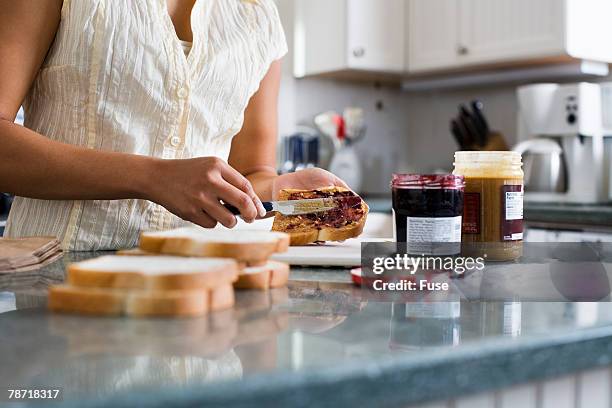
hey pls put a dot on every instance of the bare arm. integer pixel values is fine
(31, 165)
(253, 150)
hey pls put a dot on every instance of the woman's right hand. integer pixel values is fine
(193, 188)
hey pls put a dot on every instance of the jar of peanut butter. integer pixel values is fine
(493, 203)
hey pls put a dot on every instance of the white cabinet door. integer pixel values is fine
(319, 36)
(433, 32)
(502, 30)
(339, 35)
(375, 34)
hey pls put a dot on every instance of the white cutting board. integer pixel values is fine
(347, 253)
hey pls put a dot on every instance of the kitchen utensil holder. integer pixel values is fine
(495, 142)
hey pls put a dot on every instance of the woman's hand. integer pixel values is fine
(307, 179)
(192, 189)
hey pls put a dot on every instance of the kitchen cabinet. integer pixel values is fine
(453, 34)
(420, 37)
(348, 35)
(498, 30)
(432, 33)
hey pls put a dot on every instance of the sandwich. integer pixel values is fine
(344, 221)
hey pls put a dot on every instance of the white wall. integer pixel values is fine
(409, 134)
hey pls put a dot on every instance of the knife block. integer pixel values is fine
(495, 142)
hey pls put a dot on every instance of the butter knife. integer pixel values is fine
(300, 207)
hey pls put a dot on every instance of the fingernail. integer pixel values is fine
(260, 208)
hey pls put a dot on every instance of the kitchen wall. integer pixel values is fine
(409, 133)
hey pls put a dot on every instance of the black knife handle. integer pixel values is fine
(478, 108)
(458, 136)
(468, 139)
(232, 209)
(235, 211)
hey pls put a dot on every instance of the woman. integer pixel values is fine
(139, 115)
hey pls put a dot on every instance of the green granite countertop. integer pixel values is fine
(319, 342)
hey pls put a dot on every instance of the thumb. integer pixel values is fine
(338, 182)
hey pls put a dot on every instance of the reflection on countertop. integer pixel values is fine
(315, 340)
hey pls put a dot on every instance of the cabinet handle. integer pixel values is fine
(359, 52)
(462, 50)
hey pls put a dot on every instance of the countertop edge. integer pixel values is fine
(398, 381)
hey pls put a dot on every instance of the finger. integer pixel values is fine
(236, 179)
(261, 210)
(221, 214)
(203, 220)
(231, 195)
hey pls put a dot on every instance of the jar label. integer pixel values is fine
(441, 229)
(471, 213)
(428, 236)
(512, 215)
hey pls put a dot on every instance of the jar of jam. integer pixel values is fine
(493, 208)
(427, 212)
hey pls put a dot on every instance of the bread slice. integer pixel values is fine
(258, 275)
(249, 246)
(140, 252)
(152, 273)
(139, 303)
(221, 298)
(271, 275)
(335, 225)
(66, 298)
(134, 252)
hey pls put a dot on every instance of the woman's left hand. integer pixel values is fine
(307, 179)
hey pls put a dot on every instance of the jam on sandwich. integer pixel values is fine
(349, 209)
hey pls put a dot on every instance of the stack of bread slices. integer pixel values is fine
(182, 272)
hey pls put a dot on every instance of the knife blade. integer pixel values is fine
(300, 207)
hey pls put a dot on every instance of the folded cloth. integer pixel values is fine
(25, 254)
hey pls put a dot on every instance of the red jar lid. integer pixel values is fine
(428, 181)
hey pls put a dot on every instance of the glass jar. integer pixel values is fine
(493, 203)
(427, 211)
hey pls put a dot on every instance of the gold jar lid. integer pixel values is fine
(501, 157)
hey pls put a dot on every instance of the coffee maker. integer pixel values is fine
(565, 137)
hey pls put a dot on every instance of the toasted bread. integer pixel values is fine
(250, 247)
(336, 225)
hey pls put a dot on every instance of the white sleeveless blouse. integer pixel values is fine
(117, 79)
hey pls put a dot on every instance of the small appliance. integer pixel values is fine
(565, 137)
